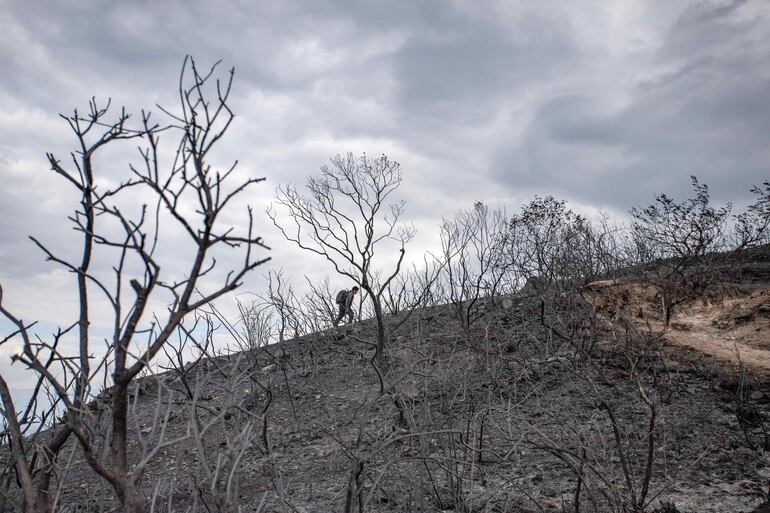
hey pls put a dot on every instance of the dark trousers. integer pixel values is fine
(341, 314)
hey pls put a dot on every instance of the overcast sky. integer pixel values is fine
(599, 102)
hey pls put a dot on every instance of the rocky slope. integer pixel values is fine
(535, 407)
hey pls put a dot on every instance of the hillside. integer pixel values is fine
(529, 410)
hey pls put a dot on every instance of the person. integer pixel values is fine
(345, 304)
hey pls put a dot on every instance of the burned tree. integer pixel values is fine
(473, 246)
(121, 266)
(752, 227)
(683, 239)
(553, 247)
(345, 218)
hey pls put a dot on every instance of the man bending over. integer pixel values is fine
(345, 304)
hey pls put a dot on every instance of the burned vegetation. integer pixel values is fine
(541, 361)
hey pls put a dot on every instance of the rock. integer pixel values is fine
(547, 491)
(741, 317)
(601, 284)
(756, 396)
(408, 391)
(149, 386)
(268, 368)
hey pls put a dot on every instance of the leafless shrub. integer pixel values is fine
(257, 326)
(283, 300)
(750, 418)
(474, 263)
(413, 288)
(193, 194)
(344, 220)
(752, 227)
(684, 237)
(224, 422)
(555, 249)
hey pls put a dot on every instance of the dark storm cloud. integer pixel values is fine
(469, 64)
(700, 109)
(603, 102)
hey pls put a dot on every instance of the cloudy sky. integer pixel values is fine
(600, 102)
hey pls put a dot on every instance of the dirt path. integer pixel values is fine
(734, 329)
(721, 347)
(747, 342)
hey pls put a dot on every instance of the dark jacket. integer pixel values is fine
(345, 299)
